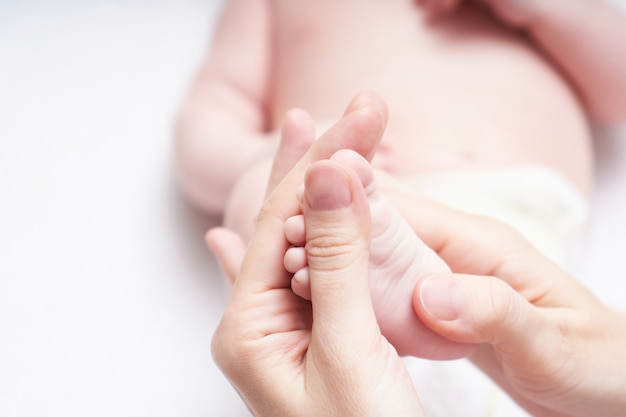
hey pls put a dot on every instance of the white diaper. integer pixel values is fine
(539, 202)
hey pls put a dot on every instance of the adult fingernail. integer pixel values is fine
(328, 188)
(441, 297)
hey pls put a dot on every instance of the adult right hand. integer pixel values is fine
(550, 343)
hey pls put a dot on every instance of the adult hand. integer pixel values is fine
(290, 357)
(552, 345)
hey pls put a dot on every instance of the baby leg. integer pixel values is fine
(260, 179)
(398, 259)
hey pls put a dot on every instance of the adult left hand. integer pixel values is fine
(290, 357)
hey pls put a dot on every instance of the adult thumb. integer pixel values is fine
(337, 222)
(477, 309)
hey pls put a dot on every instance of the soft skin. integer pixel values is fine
(465, 90)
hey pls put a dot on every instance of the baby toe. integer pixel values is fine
(295, 259)
(300, 284)
(295, 231)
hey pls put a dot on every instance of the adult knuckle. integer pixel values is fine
(501, 312)
(330, 250)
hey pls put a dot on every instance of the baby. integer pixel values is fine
(480, 119)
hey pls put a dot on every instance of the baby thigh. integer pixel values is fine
(246, 198)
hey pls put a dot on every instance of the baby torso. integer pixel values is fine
(463, 92)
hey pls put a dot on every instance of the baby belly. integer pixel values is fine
(467, 112)
(463, 94)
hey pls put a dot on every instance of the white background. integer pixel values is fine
(108, 297)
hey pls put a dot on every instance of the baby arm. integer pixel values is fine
(584, 38)
(222, 124)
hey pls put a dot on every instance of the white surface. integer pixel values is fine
(108, 298)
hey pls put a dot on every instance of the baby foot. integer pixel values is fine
(398, 259)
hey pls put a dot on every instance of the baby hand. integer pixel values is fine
(516, 13)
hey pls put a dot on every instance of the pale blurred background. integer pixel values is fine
(108, 297)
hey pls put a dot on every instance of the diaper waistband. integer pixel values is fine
(539, 202)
